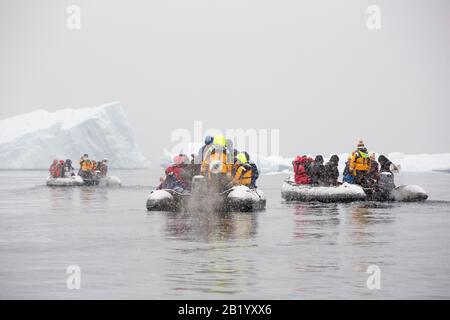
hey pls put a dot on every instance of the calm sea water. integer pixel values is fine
(288, 251)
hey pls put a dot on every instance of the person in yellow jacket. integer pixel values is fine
(216, 161)
(216, 166)
(243, 175)
(359, 164)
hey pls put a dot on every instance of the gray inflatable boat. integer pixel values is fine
(236, 199)
(384, 190)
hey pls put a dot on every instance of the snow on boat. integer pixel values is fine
(408, 193)
(238, 198)
(65, 182)
(242, 198)
(166, 200)
(73, 181)
(342, 193)
(385, 190)
(110, 181)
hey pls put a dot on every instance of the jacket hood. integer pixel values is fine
(382, 159)
(335, 159)
(318, 159)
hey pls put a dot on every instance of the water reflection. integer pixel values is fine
(364, 220)
(314, 220)
(93, 198)
(211, 226)
(209, 252)
(86, 195)
(86, 198)
(59, 198)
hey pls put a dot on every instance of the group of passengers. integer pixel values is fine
(218, 161)
(88, 168)
(360, 168)
(315, 172)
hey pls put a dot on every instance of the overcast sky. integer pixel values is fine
(309, 68)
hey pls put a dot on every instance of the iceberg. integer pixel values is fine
(33, 140)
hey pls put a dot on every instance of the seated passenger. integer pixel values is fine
(331, 172)
(61, 171)
(301, 164)
(86, 167)
(103, 167)
(243, 175)
(373, 173)
(52, 169)
(317, 171)
(80, 162)
(68, 169)
(347, 176)
(255, 172)
(177, 175)
(94, 166)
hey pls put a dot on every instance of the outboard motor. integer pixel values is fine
(386, 181)
(215, 167)
(199, 185)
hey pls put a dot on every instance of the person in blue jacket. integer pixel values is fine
(347, 176)
(208, 141)
(255, 173)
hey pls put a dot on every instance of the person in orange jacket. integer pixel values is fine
(86, 167)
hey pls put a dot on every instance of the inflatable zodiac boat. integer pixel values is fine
(72, 181)
(236, 199)
(385, 190)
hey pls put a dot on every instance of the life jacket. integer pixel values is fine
(203, 152)
(243, 175)
(216, 161)
(86, 165)
(360, 162)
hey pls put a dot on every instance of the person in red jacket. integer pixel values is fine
(177, 175)
(52, 168)
(300, 165)
(58, 169)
